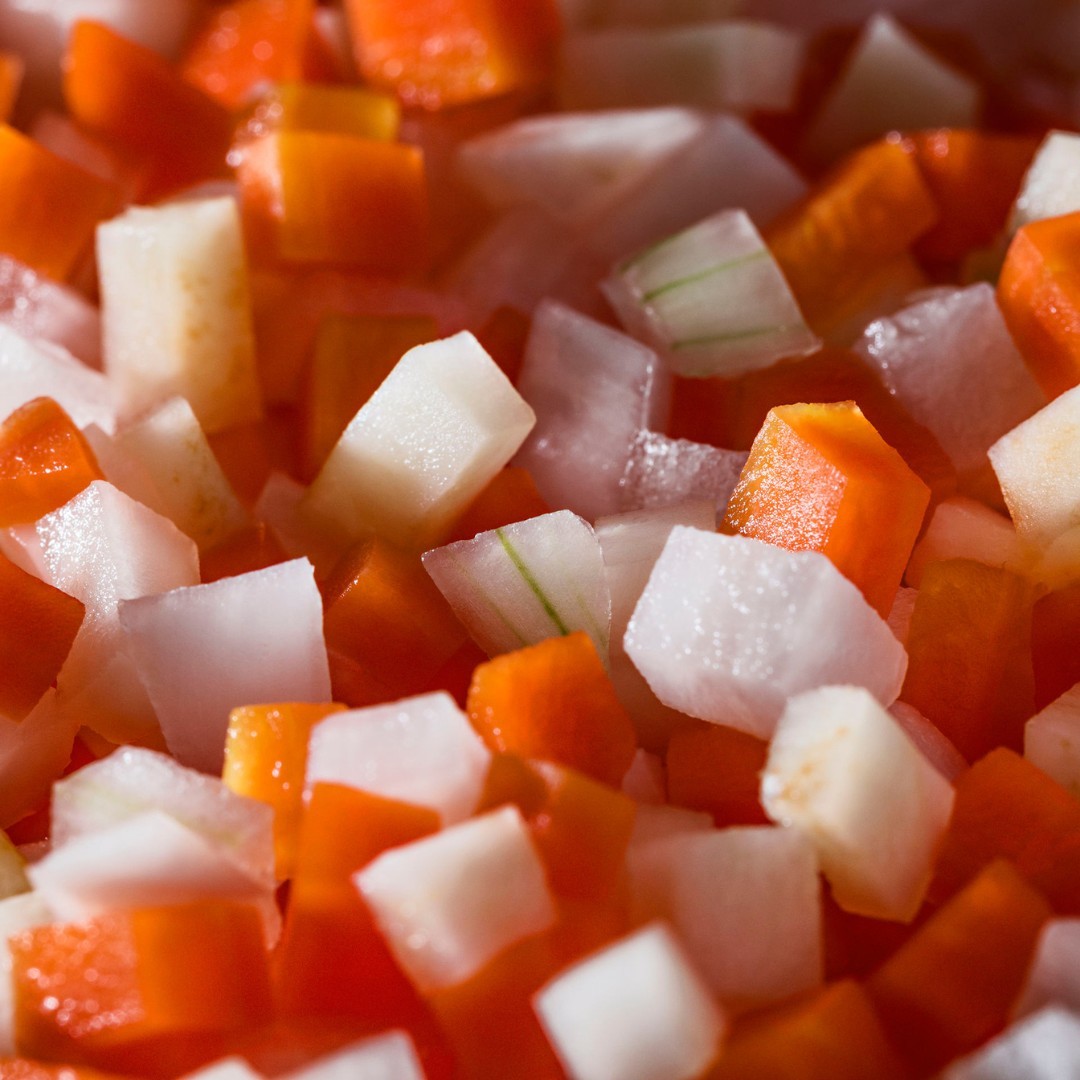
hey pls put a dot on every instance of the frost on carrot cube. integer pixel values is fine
(820, 478)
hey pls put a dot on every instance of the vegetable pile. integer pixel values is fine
(539, 539)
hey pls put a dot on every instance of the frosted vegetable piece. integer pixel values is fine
(732, 64)
(711, 299)
(571, 165)
(450, 903)
(421, 750)
(176, 310)
(1052, 740)
(592, 389)
(32, 369)
(441, 425)
(890, 82)
(729, 628)
(1045, 1046)
(637, 1010)
(1051, 186)
(842, 772)
(390, 1056)
(952, 364)
(525, 582)
(132, 781)
(746, 902)
(665, 472)
(1053, 977)
(204, 650)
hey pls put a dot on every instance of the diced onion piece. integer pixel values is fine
(841, 771)
(592, 389)
(421, 750)
(1052, 740)
(891, 81)
(532, 580)
(451, 902)
(390, 1056)
(652, 823)
(573, 165)
(132, 781)
(253, 637)
(176, 310)
(1054, 973)
(711, 299)
(230, 1068)
(441, 425)
(745, 901)
(637, 1010)
(734, 64)
(665, 472)
(1051, 186)
(728, 628)
(1045, 1046)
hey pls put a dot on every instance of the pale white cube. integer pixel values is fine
(637, 1010)
(1045, 1046)
(1052, 740)
(1053, 977)
(390, 1056)
(176, 310)
(421, 750)
(441, 425)
(230, 1068)
(1051, 185)
(842, 772)
(665, 472)
(450, 903)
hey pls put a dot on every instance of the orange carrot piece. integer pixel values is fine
(33, 184)
(832, 1035)
(266, 759)
(554, 701)
(1006, 807)
(969, 655)
(717, 769)
(353, 354)
(249, 453)
(950, 987)
(38, 623)
(820, 478)
(24, 1069)
(245, 43)
(1039, 295)
(860, 217)
(510, 495)
(385, 614)
(1055, 629)
(437, 53)
(347, 110)
(132, 97)
(44, 461)
(320, 197)
(504, 336)
(974, 177)
(252, 548)
(12, 69)
(124, 1006)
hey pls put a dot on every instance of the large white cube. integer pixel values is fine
(176, 310)
(635, 1011)
(450, 903)
(842, 771)
(440, 426)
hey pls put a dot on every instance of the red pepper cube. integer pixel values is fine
(317, 197)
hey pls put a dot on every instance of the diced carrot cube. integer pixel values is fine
(24, 1069)
(320, 197)
(820, 478)
(44, 461)
(717, 769)
(266, 759)
(950, 987)
(1006, 807)
(33, 183)
(384, 613)
(504, 336)
(511, 495)
(251, 548)
(974, 177)
(1055, 629)
(1039, 295)
(870, 209)
(247, 42)
(833, 1035)
(969, 655)
(554, 701)
(346, 110)
(38, 624)
(249, 453)
(132, 97)
(437, 53)
(11, 77)
(106, 993)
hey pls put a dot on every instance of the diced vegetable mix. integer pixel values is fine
(539, 539)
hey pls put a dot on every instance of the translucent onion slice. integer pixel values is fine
(1052, 740)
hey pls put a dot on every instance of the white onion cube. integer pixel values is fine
(1045, 1046)
(1052, 740)
(843, 772)
(1051, 186)
(450, 903)
(1053, 976)
(729, 628)
(421, 750)
(664, 472)
(637, 1010)
(391, 1056)
(441, 425)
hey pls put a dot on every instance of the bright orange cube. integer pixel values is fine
(346, 110)
(820, 478)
